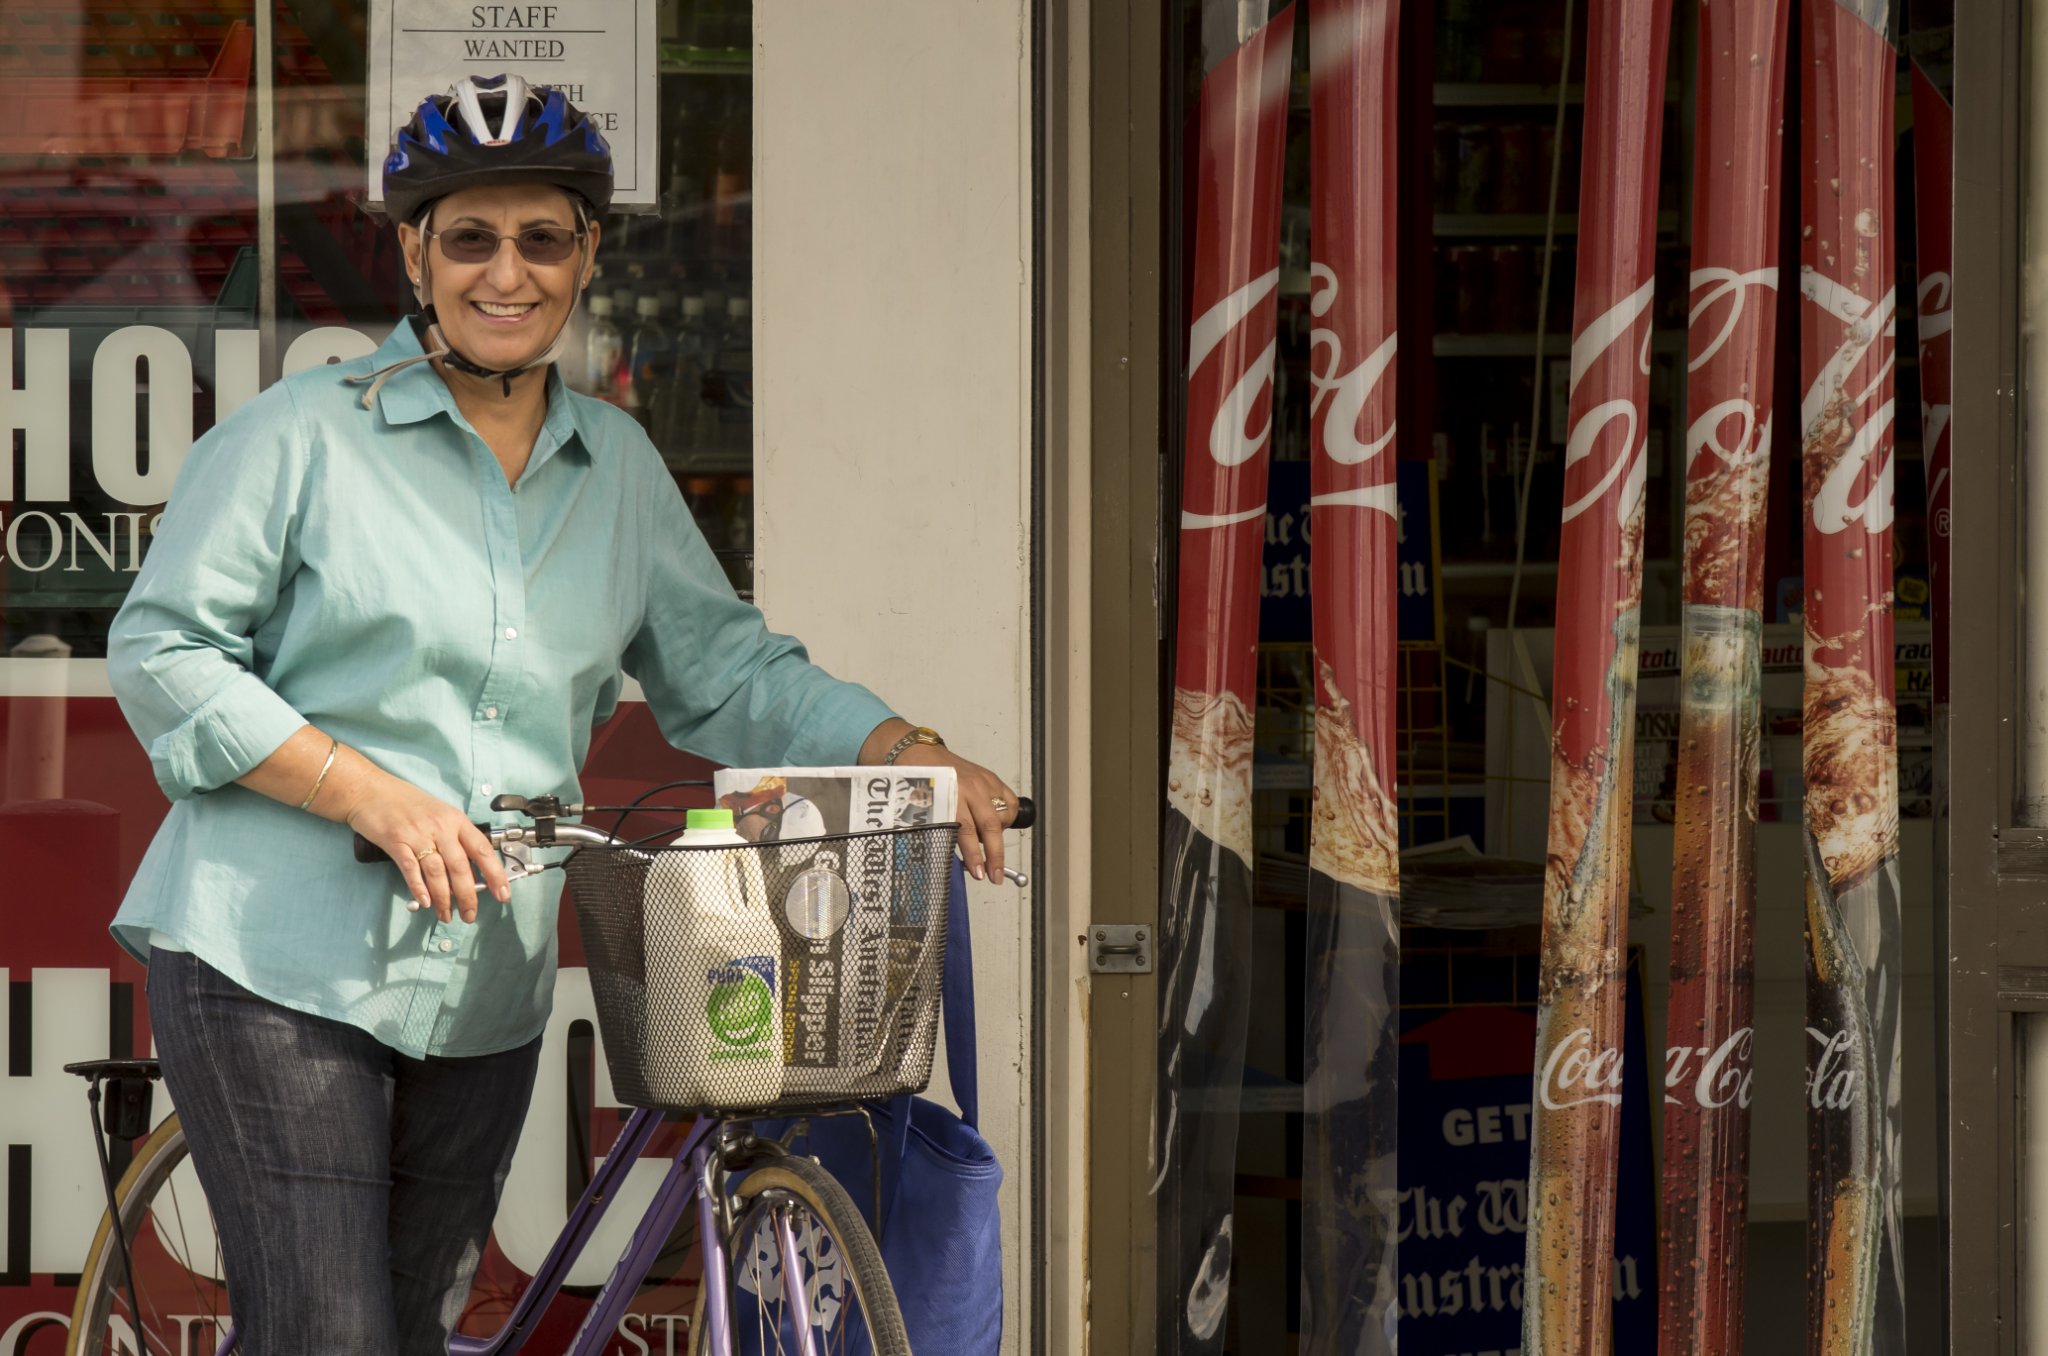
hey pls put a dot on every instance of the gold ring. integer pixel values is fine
(1000, 804)
(421, 854)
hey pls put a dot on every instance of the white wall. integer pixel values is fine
(892, 334)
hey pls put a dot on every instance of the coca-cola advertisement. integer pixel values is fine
(1352, 949)
(1579, 1057)
(1733, 330)
(1205, 876)
(1850, 755)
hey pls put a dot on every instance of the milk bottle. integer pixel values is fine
(714, 969)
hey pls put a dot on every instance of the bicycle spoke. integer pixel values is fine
(184, 1245)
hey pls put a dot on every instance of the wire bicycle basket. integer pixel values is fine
(768, 976)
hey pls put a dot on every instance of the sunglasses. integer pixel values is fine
(479, 245)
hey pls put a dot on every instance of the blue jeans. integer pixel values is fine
(353, 1187)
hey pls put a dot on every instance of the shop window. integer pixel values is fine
(133, 307)
(165, 253)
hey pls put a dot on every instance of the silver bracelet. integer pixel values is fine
(333, 746)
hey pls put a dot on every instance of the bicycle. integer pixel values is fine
(781, 1239)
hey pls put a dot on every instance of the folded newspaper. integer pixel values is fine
(859, 949)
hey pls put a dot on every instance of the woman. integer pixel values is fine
(383, 591)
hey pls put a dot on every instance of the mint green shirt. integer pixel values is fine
(370, 571)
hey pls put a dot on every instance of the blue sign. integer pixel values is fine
(1466, 1103)
(1284, 585)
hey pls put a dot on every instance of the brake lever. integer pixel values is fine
(518, 859)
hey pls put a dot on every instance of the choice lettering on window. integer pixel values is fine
(141, 421)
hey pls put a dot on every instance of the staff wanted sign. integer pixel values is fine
(600, 53)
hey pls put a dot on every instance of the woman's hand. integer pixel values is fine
(433, 843)
(987, 805)
(424, 835)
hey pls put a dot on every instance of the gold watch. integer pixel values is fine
(922, 734)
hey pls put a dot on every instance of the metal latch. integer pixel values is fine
(1120, 949)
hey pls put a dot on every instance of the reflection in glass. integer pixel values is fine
(2033, 777)
(2031, 1114)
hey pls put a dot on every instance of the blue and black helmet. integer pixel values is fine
(495, 130)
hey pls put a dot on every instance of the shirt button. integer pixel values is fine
(485, 788)
(447, 945)
(490, 713)
(511, 633)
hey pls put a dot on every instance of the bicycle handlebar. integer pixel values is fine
(370, 854)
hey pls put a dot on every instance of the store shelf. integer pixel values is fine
(1497, 225)
(681, 59)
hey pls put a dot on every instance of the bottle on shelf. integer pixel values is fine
(652, 356)
(725, 418)
(576, 345)
(737, 514)
(603, 351)
(676, 413)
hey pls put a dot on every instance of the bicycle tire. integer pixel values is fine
(828, 1202)
(100, 1287)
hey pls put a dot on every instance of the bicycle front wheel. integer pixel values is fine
(180, 1291)
(850, 1306)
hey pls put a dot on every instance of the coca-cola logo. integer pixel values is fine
(1831, 1083)
(1752, 440)
(1576, 1073)
(1592, 452)
(1347, 394)
(1231, 440)
(1858, 487)
(1723, 1076)
(1724, 284)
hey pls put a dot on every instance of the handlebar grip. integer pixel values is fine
(369, 854)
(1027, 813)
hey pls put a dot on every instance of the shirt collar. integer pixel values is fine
(418, 393)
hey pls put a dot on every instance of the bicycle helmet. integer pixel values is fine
(490, 130)
(495, 130)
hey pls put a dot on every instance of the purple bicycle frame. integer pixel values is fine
(685, 1172)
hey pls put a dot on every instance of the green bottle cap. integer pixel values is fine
(708, 819)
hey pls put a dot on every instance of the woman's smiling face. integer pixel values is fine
(502, 312)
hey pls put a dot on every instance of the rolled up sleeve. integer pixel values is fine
(720, 683)
(181, 653)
